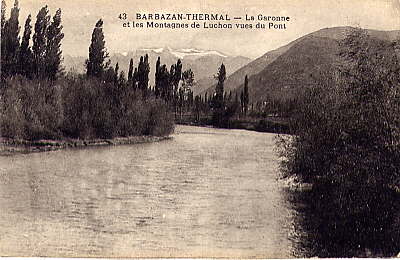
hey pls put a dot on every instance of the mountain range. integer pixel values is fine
(204, 63)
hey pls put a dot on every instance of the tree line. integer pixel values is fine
(172, 85)
(41, 60)
(38, 100)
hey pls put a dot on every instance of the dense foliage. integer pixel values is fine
(346, 145)
(37, 101)
(78, 108)
(97, 63)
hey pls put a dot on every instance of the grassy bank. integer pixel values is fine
(15, 146)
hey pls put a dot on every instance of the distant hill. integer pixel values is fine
(298, 66)
(203, 63)
(293, 64)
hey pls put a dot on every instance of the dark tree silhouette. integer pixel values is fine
(176, 77)
(3, 21)
(97, 64)
(187, 80)
(130, 72)
(116, 71)
(53, 57)
(242, 101)
(219, 105)
(157, 89)
(219, 90)
(135, 78)
(10, 42)
(3, 15)
(143, 74)
(186, 89)
(246, 95)
(164, 82)
(39, 42)
(25, 53)
(121, 79)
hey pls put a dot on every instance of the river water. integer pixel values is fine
(206, 192)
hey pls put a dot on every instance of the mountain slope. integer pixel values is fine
(277, 74)
(298, 67)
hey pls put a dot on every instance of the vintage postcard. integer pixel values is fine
(201, 129)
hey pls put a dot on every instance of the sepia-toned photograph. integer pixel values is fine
(200, 129)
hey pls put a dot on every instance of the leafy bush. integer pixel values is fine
(78, 107)
(346, 144)
(88, 109)
(31, 109)
(158, 118)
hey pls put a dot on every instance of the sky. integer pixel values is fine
(306, 16)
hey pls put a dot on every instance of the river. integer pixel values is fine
(206, 192)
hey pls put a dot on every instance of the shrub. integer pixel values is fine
(78, 107)
(346, 144)
(158, 121)
(31, 109)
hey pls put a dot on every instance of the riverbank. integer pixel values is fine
(275, 125)
(10, 146)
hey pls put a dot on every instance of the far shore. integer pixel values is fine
(274, 125)
(10, 146)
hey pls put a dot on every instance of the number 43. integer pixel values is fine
(122, 16)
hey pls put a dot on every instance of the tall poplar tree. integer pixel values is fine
(53, 56)
(96, 64)
(116, 71)
(219, 90)
(143, 74)
(135, 79)
(219, 97)
(130, 72)
(39, 42)
(25, 53)
(3, 15)
(157, 89)
(242, 101)
(3, 21)
(177, 75)
(171, 93)
(187, 85)
(246, 95)
(10, 42)
(164, 82)
(146, 71)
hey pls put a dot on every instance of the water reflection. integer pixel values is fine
(333, 221)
